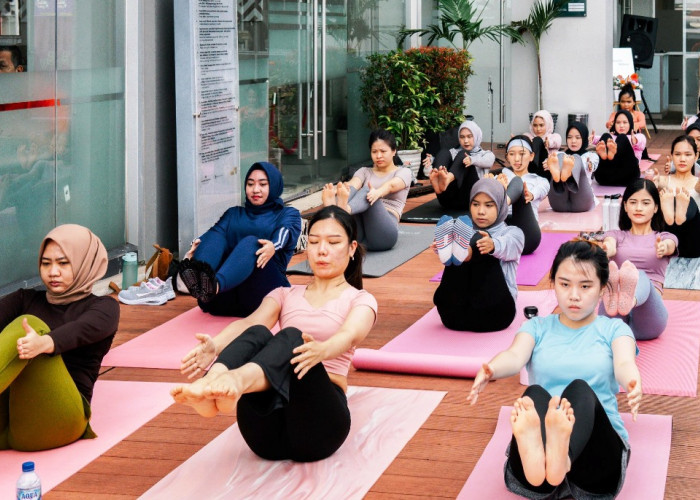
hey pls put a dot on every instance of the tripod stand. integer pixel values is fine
(647, 112)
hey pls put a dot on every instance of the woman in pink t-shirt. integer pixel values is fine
(289, 388)
(639, 253)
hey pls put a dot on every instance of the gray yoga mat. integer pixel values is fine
(430, 213)
(683, 273)
(412, 241)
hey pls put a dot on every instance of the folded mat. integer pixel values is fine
(165, 345)
(570, 221)
(412, 241)
(118, 409)
(226, 468)
(429, 348)
(650, 442)
(678, 347)
(430, 213)
(533, 267)
(683, 273)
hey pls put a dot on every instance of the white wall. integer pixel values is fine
(576, 58)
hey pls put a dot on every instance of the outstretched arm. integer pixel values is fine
(504, 364)
(626, 371)
(353, 331)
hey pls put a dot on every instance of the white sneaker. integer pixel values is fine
(167, 285)
(145, 294)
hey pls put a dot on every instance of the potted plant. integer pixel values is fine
(395, 93)
(460, 17)
(542, 15)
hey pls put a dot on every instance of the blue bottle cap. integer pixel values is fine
(27, 466)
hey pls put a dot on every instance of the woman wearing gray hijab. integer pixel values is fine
(481, 255)
(456, 170)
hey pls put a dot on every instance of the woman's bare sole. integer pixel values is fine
(525, 423)
(558, 424)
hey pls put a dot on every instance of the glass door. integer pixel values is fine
(307, 92)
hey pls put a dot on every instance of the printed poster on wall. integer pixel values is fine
(216, 105)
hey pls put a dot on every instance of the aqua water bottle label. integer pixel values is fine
(29, 494)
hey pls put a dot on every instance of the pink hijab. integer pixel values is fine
(87, 256)
(548, 122)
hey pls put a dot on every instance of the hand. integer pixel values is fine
(33, 344)
(480, 381)
(526, 192)
(608, 251)
(199, 358)
(433, 247)
(264, 253)
(428, 160)
(467, 160)
(634, 397)
(485, 245)
(667, 165)
(546, 142)
(634, 138)
(373, 194)
(589, 164)
(310, 353)
(592, 136)
(193, 247)
(684, 123)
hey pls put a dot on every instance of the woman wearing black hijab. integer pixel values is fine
(570, 189)
(620, 152)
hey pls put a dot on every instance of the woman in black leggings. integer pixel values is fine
(620, 152)
(568, 435)
(289, 388)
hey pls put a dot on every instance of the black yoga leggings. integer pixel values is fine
(541, 155)
(522, 215)
(622, 169)
(595, 448)
(688, 233)
(457, 194)
(474, 296)
(302, 420)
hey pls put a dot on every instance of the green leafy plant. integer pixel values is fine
(394, 93)
(542, 15)
(448, 71)
(460, 17)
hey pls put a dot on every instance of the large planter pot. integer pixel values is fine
(411, 159)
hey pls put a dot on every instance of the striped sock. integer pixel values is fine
(463, 236)
(444, 234)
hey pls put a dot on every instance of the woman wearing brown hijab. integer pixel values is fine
(52, 344)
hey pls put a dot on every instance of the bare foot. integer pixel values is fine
(525, 423)
(503, 180)
(612, 149)
(567, 167)
(444, 178)
(434, 181)
(558, 424)
(682, 202)
(225, 390)
(342, 196)
(602, 150)
(668, 197)
(194, 395)
(553, 167)
(328, 195)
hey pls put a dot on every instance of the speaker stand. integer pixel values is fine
(647, 112)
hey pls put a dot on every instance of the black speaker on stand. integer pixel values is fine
(639, 33)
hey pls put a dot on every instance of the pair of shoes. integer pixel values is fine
(154, 292)
(199, 279)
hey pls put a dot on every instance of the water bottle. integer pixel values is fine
(130, 270)
(28, 484)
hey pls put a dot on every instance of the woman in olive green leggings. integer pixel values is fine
(52, 343)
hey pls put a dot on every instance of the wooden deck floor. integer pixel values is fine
(434, 464)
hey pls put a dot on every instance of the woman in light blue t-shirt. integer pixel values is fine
(567, 424)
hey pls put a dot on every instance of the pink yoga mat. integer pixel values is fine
(599, 190)
(677, 347)
(226, 468)
(650, 442)
(165, 345)
(428, 348)
(534, 266)
(118, 409)
(568, 221)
